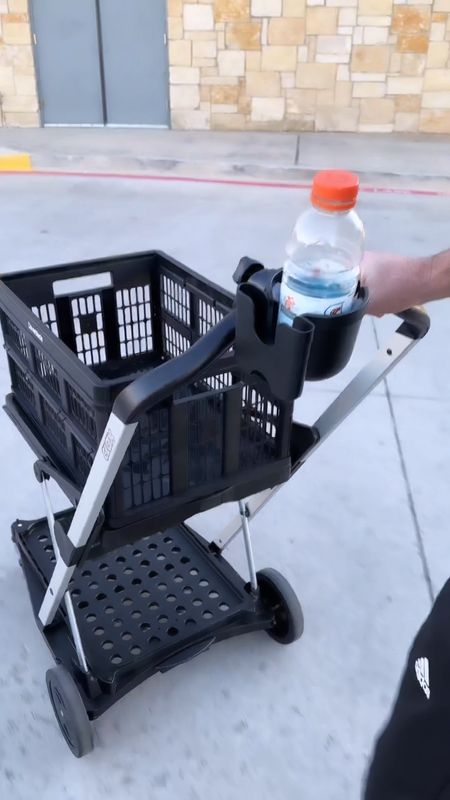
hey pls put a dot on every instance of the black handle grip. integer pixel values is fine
(416, 323)
(153, 387)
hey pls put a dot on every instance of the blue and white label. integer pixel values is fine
(293, 304)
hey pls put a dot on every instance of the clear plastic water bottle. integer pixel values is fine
(322, 268)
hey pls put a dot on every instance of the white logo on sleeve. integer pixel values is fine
(108, 444)
(423, 675)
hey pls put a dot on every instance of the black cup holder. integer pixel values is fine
(314, 348)
(334, 340)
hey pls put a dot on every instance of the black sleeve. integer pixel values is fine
(412, 756)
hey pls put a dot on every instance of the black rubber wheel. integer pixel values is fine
(69, 711)
(278, 594)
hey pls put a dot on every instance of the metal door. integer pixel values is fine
(102, 61)
(133, 38)
(68, 65)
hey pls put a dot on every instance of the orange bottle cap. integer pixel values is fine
(335, 190)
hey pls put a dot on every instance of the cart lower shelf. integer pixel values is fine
(147, 607)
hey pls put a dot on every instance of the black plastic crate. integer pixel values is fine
(76, 335)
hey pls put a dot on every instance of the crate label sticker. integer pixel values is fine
(35, 332)
(108, 445)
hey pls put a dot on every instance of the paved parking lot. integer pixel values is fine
(361, 531)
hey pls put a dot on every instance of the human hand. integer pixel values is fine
(395, 283)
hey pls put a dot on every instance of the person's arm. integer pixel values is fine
(411, 758)
(396, 283)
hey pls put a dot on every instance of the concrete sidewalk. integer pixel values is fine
(361, 532)
(275, 155)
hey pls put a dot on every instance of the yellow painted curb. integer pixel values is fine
(15, 162)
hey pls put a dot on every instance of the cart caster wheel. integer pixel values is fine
(69, 711)
(278, 594)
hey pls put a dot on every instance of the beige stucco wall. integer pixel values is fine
(327, 65)
(18, 97)
(342, 65)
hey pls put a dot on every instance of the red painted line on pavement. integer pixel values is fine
(221, 181)
(406, 190)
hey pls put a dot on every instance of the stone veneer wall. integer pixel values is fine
(18, 95)
(333, 65)
(324, 65)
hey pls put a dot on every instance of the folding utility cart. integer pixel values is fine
(149, 394)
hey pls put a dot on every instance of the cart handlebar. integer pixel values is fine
(158, 384)
(414, 326)
(155, 386)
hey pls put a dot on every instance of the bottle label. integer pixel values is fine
(293, 304)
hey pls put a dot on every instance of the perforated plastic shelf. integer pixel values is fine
(147, 600)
